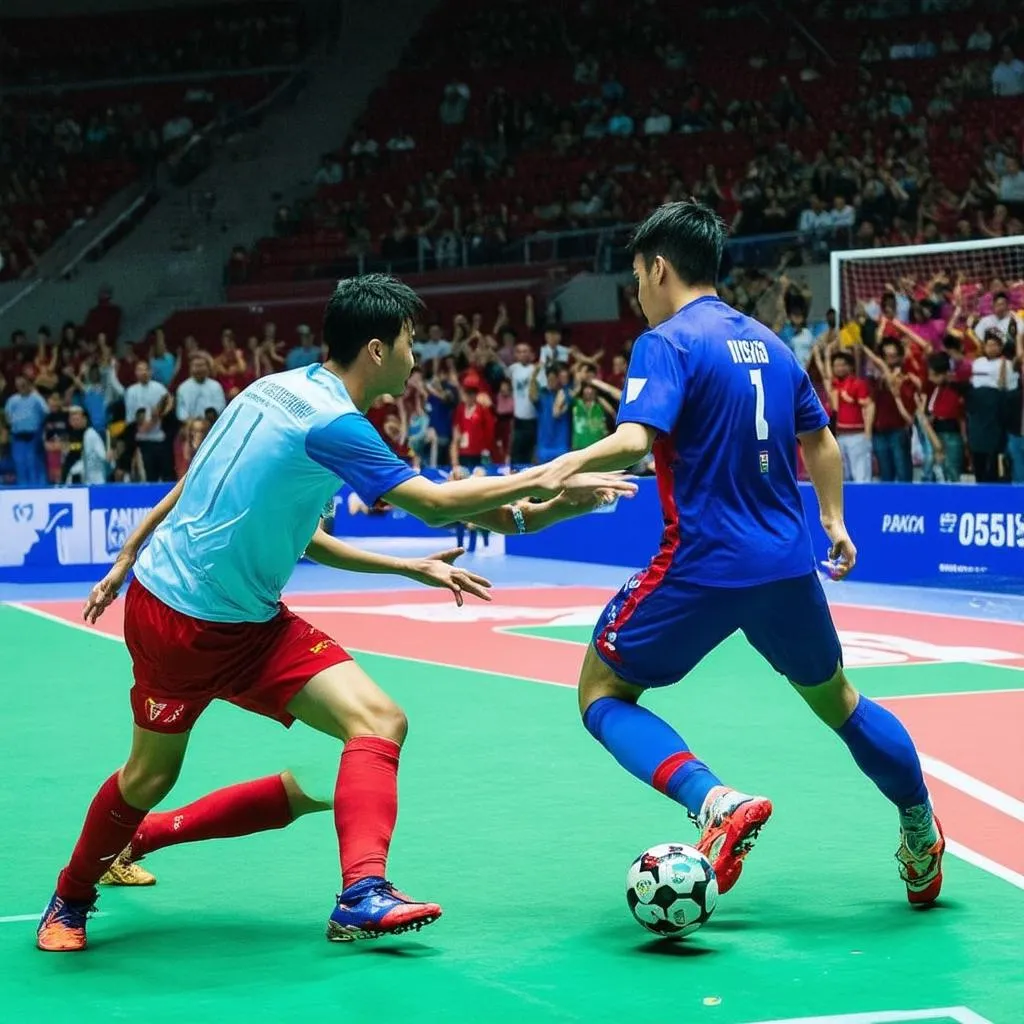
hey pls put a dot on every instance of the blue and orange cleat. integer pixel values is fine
(919, 855)
(62, 928)
(373, 907)
(730, 822)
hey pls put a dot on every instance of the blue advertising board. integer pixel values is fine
(942, 535)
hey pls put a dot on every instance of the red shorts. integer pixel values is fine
(181, 663)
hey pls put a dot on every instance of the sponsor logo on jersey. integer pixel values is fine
(634, 385)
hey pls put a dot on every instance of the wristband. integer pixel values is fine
(518, 518)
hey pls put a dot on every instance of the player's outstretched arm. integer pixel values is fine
(105, 592)
(630, 443)
(526, 517)
(824, 464)
(455, 500)
(437, 570)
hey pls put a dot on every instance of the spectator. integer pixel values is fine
(55, 437)
(146, 403)
(524, 425)
(329, 172)
(657, 122)
(164, 364)
(87, 456)
(454, 103)
(1008, 75)
(620, 123)
(472, 428)
(199, 392)
(590, 412)
(854, 411)
(26, 412)
(434, 348)
(441, 401)
(948, 44)
(554, 422)
(895, 396)
(230, 367)
(1001, 319)
(306, 353)
(401, 142)
(992, 375)
(553, 351)
(980, 40)
(945, 407)
(1009, 187)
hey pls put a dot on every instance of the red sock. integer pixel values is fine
(366, 806)
(109, 826)
(256, 806)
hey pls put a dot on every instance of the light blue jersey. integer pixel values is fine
(254, 494)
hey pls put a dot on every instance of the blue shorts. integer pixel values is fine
(652, 633)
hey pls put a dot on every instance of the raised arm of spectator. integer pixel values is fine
(609, 389)
(868, 405)
(501, 319)
(561, 406)
(534, 386)
(530, 314)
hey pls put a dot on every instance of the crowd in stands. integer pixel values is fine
(923, 383)
(890, 133)
(68, 144)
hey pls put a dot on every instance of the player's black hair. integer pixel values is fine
(364, 308)
(688, 235)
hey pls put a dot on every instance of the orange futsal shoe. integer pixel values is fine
(730, 822)
(920, 855)
(62, 928)
(127, 872)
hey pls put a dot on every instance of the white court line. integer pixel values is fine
(952, 693)
(968, 784)
(960, 1014)
(929, 614)
(979, 860)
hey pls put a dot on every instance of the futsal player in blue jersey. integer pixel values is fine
(723, 403)
(204, 618)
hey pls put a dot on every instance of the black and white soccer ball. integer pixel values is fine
(671, 889)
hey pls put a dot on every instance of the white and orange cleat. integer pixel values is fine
(730, 822)
(127, 872)
(919, 855)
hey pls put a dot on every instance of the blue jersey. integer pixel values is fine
(728, 399)
(254, 494)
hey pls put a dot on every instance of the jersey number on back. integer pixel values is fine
(760, 423)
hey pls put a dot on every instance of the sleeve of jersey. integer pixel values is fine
(655, 384)
(351, 448)
(810, 413)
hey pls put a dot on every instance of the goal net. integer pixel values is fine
(864, 275)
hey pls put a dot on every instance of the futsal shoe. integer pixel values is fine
(127, 872)
(920, 855)
(730, 822)
(373, 907)
(62, 928)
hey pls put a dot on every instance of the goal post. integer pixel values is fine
(861, 275)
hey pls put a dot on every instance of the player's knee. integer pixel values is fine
(381, 717)
(832, 701)
(144, 786)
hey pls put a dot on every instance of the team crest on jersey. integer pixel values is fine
(154, 709)
(763, 459)
(320, 646)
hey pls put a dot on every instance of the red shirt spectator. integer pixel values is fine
(850, 393)
(887, 414)
(945, 403)
(472, 431)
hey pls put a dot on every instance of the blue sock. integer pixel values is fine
(650, 749)
(885, 753)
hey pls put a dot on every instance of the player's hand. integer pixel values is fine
(440, 571)
(584, 496)
(105, 592)
(842, 555)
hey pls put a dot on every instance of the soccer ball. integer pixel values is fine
(671, 889)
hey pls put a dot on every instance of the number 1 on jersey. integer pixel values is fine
(760, 423)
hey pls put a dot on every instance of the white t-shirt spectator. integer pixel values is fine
(1008, 78)
(844, 218)
(979, 42)
(815, 222)
(194, 397)
(993, 322)
(148, 397)
(92, 467)
(401, 143)
(522, 407)
(364, 147)
(328, 174)
(985, 373)
(553, 354)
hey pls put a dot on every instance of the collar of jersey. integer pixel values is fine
(317, 370)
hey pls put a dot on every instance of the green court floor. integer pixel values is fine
(522, 827)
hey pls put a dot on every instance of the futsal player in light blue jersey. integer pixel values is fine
(204, 617)
(723, 403)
